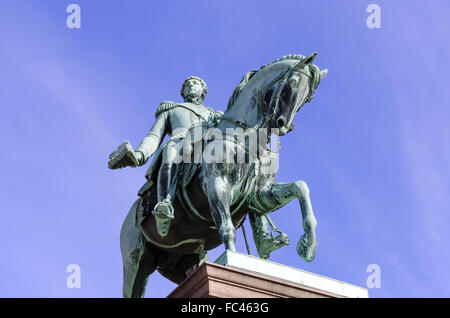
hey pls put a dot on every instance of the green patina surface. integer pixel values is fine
(268, 98)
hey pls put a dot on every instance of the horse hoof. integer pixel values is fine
(306, 249)
(267, 246)
(282, 240)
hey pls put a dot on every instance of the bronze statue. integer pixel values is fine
(192, 206)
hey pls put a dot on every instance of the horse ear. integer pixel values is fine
(310, 58)
(323, 73)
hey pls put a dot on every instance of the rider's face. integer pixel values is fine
(193, 89)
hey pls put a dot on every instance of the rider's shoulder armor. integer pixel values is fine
(165, 106)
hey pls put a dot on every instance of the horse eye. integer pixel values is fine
(268, 96)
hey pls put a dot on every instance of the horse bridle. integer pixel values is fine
(275, 98)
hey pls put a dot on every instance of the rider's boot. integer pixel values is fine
(265, 242)
(163, 211)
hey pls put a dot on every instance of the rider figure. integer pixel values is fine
(176, 119)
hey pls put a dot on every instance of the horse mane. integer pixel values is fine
(247, 76)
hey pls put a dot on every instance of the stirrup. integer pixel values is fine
(267, 245)
(163, 218)
(164, 214)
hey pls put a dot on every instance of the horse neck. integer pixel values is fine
(243, 110)
(246, 109)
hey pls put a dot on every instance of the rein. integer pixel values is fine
(275, 98)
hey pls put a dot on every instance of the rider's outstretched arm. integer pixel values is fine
(154, 138)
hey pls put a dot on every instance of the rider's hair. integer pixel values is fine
(205, 88)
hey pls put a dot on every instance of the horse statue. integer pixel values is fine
(212, 199)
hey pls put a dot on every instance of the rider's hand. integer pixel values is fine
(122, 156)
(139, 156)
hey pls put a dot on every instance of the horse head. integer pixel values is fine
(271, 96)
(291, 88)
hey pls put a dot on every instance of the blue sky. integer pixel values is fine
(373, 145)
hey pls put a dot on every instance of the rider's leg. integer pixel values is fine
(166, 170)
(264, 241)
(163, 210)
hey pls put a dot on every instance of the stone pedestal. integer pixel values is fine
(236, 275)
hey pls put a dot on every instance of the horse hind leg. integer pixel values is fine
(137, 267)
(264, 240)
(185, 266)
(139, 260)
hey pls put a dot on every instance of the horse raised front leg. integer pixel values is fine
(277, 195)
(219, 197)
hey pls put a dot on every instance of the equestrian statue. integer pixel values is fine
(215, 169)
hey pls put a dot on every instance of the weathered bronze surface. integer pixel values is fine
(198, 190)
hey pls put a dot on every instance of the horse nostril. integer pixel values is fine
(281, 122)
